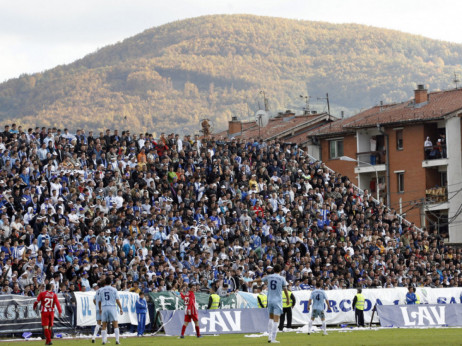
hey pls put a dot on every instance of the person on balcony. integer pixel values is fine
(442, 139)
(428, 147)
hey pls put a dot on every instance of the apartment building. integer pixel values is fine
(408, 154)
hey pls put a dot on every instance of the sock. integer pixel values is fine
(116, 332)
(95, 333)
(275, 330)
(270, 329)
(183, 329)
(310, 326)
(104, 335)
(324, 325)
(47, 335)
(198, 331)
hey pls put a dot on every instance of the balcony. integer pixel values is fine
(436, 198)
(370, 162)
(435, 162)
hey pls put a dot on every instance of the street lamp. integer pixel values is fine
(350, 159)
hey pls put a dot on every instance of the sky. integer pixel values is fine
(36, 35)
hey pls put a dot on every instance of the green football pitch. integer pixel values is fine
(442, 336)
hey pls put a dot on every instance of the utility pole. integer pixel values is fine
(456, 79)
(327, 100)
(307, 104)
(265, 101)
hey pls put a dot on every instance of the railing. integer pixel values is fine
(436, 195)
(371, 157)
(435, 153)
(361, 191)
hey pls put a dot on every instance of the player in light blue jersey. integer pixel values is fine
(276, 284)
(318, 296)
(98, 315)
(108, 302)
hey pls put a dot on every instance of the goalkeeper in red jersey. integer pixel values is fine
(191, 312)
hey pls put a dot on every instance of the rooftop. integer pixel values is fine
(284, 125)
(439, 105)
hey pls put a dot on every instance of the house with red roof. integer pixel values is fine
(286, 126)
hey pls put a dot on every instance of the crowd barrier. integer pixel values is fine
(341, 302)
(86, 308)
(221, 321)
(17, 314)
(412, 316)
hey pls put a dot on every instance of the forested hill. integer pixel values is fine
(169, 77)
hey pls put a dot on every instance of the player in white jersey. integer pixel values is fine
(318, 296)
(276, 284)
(108, 301)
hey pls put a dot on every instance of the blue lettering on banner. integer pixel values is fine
(132, 304)
(347, 307)
(333, 306)
(124, 303)
(86, 311)
(367, 305)
(443, 300)
(128, 302)
(304, 303)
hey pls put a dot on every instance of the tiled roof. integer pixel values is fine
(439, 104)
(276, 127)
(245, 127)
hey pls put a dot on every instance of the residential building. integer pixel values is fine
(385, 146)
(285, 126)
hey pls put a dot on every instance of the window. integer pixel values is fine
(399, 139)
(400, 177)
(335, 148)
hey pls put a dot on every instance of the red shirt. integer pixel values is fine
(48, 301)
(190, 303)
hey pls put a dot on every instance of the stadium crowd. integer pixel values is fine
(155, 214)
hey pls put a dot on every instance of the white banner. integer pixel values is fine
(86, 309)
(341, 301)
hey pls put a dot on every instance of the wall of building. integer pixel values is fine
(409, 160)
(344, 167)
(453, 132)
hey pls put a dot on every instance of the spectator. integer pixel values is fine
(140, 210)
(428, 148)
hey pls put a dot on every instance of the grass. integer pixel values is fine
(446, 336)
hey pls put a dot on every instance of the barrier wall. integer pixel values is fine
(412, 316)
(86, 308)
(17, 314)
(218, 321)
(341, 301)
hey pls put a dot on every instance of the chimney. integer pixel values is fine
(420, 94)
(234, 126)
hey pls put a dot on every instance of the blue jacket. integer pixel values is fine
(411, 298)
(141, 306)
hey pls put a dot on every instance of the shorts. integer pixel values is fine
(274, 309)
(189, 318)
(48, 319)
(318, 313)
(109, 314)
(98, 315)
